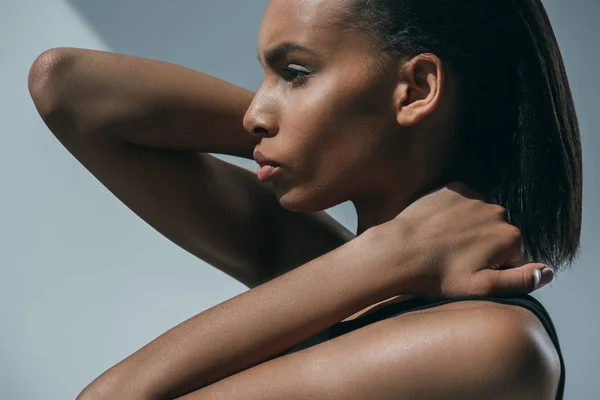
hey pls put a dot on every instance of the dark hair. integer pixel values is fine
(517, 133)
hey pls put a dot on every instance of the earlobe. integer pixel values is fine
(419, 92)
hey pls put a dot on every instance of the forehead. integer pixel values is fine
(308, 22)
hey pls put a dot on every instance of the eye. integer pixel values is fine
(296, 76)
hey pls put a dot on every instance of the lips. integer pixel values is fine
(267, 167)
(266, 172)
(261, 159)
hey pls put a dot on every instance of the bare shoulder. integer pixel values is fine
(467, 351)
(501, 338)
(507, 324)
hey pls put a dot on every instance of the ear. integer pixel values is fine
(419, 89)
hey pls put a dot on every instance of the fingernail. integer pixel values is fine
(537, 278)
(546, 276)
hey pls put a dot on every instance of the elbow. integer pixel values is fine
(94, 391)
(99, 390)
(46, 79)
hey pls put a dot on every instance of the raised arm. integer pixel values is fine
(141, 101)
(144, 127)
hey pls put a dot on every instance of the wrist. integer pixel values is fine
(399, 260)
(379, 254)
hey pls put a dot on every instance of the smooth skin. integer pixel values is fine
(367, 133)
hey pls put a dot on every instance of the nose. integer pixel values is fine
(258, 121)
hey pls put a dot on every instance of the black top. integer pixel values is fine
(418, 303)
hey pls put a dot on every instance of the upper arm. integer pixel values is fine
(208, 207)
(215, 210)
(462, 354)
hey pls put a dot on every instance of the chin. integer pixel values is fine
(304, 201)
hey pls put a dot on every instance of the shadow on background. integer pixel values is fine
(222, 42)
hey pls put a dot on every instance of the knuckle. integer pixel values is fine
(513, 235)
(499, 210)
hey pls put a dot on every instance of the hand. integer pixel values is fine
(452, 243)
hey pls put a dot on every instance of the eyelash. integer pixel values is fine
(301, 80)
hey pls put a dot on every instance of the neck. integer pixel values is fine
(377, 210)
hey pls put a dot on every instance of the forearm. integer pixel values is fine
(142, 101)
(250, 328)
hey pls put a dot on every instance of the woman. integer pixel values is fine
(376, 102)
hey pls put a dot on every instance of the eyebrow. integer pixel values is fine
(278, 52)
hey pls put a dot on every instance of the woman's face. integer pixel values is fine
(326, 115)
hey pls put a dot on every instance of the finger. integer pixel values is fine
(518, 280)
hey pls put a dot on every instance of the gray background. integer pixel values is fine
(85, 282)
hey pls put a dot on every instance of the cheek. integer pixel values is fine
(321, 140)
(334, 116)
(332, 163)
(332, 135)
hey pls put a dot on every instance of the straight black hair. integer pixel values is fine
(518, 136)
